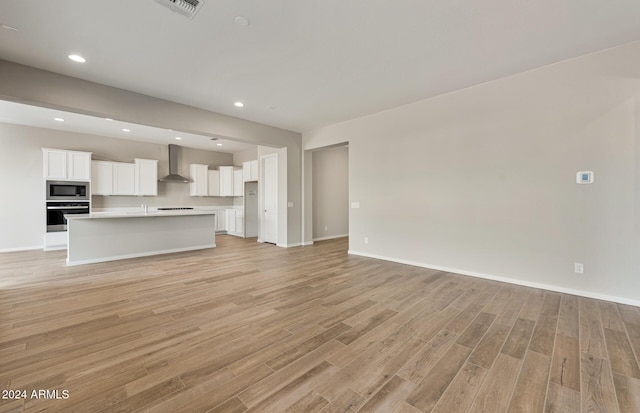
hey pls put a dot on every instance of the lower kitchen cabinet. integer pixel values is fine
(240, 222)
(221, 221)
(235, 222)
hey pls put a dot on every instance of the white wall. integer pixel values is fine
(330, 192)
(22, 213)
(247, 155)
(482, 181)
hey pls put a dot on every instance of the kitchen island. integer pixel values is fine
(108, 236)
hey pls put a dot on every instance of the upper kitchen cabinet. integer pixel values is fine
(214, 182)
(124, 176)
(101, 178)
(238, 183)
(250, 171)
(119, 178)
(226, 180)
(66, 165)
(199, 174)
(146, 177)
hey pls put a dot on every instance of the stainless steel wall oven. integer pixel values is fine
(56, 211)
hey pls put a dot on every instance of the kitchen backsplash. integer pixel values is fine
(169, 194)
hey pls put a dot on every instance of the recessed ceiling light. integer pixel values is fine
(109, 119)
(58, 119)
(126, 130)
(238, 104)
(178, 138)
(242, 21)
(77, 58)
(219, 144)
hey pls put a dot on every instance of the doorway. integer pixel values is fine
(330, 192)
(269, 194)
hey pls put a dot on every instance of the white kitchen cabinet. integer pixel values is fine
(230, 217)
(235, 221)
(226, 180)
(101, 178)
(119, 178)
(238, 183)
(55, 164)
(199, 174)
(146, 177)
(221, 221)
(78, 166)
(239, 222)
(124, 178)
(64, 165)
(213, 183)
(250, 171)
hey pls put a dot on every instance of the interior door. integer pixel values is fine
(270, 199)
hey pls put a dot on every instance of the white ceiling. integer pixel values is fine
(21, 114)
(301, 65)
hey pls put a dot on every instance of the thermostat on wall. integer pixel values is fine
(584, 177)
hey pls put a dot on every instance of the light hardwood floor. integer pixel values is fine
(251, 327)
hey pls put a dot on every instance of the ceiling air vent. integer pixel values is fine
(187, 8)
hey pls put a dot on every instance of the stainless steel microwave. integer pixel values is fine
(67, 190)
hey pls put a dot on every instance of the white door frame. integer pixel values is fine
(261, 195)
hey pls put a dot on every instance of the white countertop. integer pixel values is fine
(140, 214)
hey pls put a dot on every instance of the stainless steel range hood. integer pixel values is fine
(174, 176)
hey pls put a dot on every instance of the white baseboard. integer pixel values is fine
(549, 287)
(39, 247)
(55, 247)
(307, 243)
(295, 244)
(138, 255)
(331, 237)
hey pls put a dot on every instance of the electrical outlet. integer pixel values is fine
(326, 228)
(366, 240)
(578, 267)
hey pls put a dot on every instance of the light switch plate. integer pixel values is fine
(290, 204)
(355, 205)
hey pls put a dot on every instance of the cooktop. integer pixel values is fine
(173, 208)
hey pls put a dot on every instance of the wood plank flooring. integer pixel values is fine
(250, 327)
